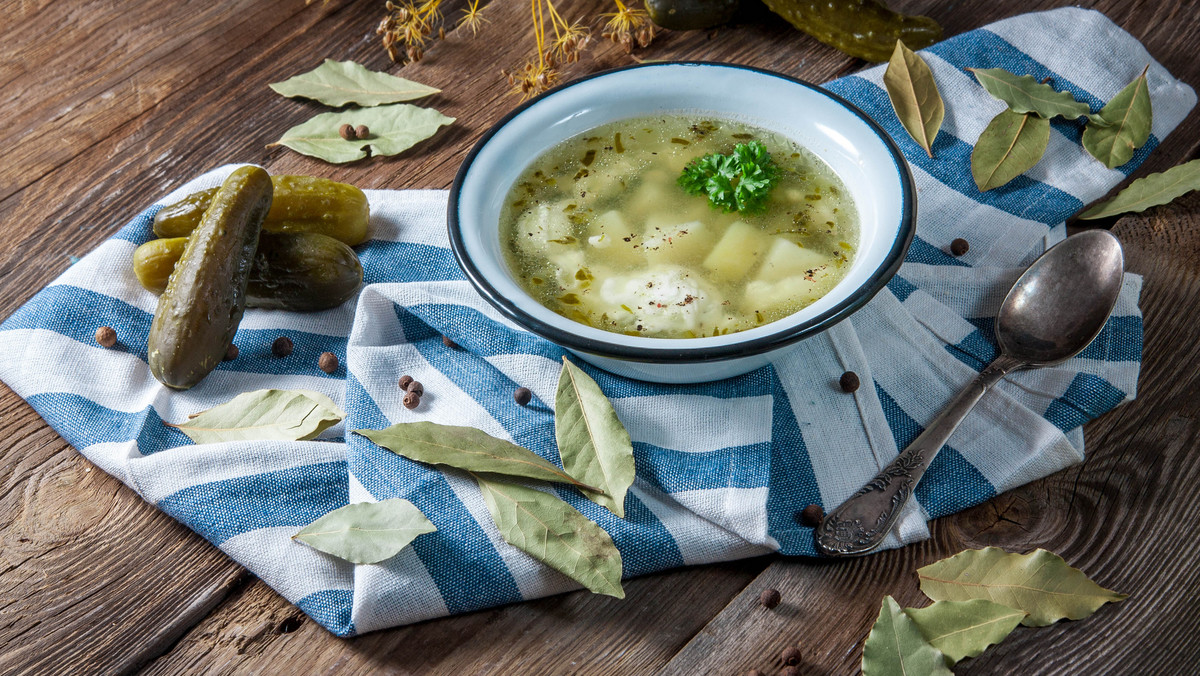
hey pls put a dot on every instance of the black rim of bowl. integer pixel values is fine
(778, 339)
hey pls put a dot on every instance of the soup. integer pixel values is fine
(599, 230)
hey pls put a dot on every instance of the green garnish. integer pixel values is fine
(736, 182)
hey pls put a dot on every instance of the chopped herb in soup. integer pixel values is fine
(601, 230)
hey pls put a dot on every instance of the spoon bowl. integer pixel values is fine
(1060, 304)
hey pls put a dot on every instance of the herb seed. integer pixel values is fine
(282, 346)
(450, 343)
(231, 353)
(106, 336)
(770, 598)
(361, 131)
(523, 396)
(849, 381)
(405, 381)
(346, 131)
(328, 362)
(812, 516)
(416, 388)
(960, 246)
(791, 655)
(411, 400)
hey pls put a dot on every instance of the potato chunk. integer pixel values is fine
(738, 252)
(788, 259)
(678, 242)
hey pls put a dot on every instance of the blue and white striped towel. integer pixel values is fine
(706, 489)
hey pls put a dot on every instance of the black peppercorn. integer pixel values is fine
(416, 388)
(231, 353)
(812, 516)
(849, 381)
(282, 346)
(346, 131)
(960, 246)
(522, 395)
(405, 381)
(411, 400)
(106, 336)
(791, 655)
(328, 362)
(770, 598)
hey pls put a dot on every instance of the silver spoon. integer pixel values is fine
(1055, 310)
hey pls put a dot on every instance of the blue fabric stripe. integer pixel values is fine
(140, 229)
(91, 423)
(1119, 340)
(675, 471)
(460, 558)
(385, 261)
(331, 609)
(985, 49)
(901, 288)
(296, 497)
(951, 483)
(923, 252)
(952, 166)
(793, 484)
(1086, 398)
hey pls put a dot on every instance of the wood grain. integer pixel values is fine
(108, 105)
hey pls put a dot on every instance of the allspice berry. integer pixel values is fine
(346, 131)
(416, 388)
(106, 336)
(770, 598)
(231, 353)
(791, 655)
(282, 346)
(450, 343)
(328, 362)
(405, 381)
(789, 671)
(523, 396)
(849, 381)
(361, 131)
(411, 400)
(812, 516)
(960, 246)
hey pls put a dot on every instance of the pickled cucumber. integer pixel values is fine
(682, 15)
(201, 308)
(300, 204)
(304, 271)
(866, 29)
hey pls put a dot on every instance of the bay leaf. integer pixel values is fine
(1150, 191)
(466, 448)
(366, 532)
(555, 533)
(337, 83)
(393, 129)
(896, 646)
(962, 629)
(914, 95)
(594, 445)
(290, 415)
(1010, 145)
(1024, 94)
(1039, 583)
(1129, 116)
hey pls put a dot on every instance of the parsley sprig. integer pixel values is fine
(739, 181)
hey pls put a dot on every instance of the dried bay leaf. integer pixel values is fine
(290, 415)
(366, 532)
(555, 533)
(914, 95)
(465, 448)
(1025, 94)
(1039, 583)
(896, 646)
(594, 445)
(962, 629)
(1150, 191)
(1010, 145)
(337, 83)
(1129, 116)
(393, 129)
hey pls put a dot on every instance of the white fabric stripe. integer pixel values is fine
(699, 540)
(293, 569)
(167, 472)
(394, 220)
(397, 591)
(529, 371)
(112, 458)
(695, 424)
(742, 511)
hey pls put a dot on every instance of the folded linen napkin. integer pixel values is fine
(722, 468)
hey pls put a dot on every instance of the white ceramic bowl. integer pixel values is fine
(857, 149)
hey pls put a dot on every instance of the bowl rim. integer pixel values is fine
(614, 349)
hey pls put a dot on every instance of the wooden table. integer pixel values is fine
(107, 105)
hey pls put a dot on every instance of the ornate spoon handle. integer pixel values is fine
(860, 523)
